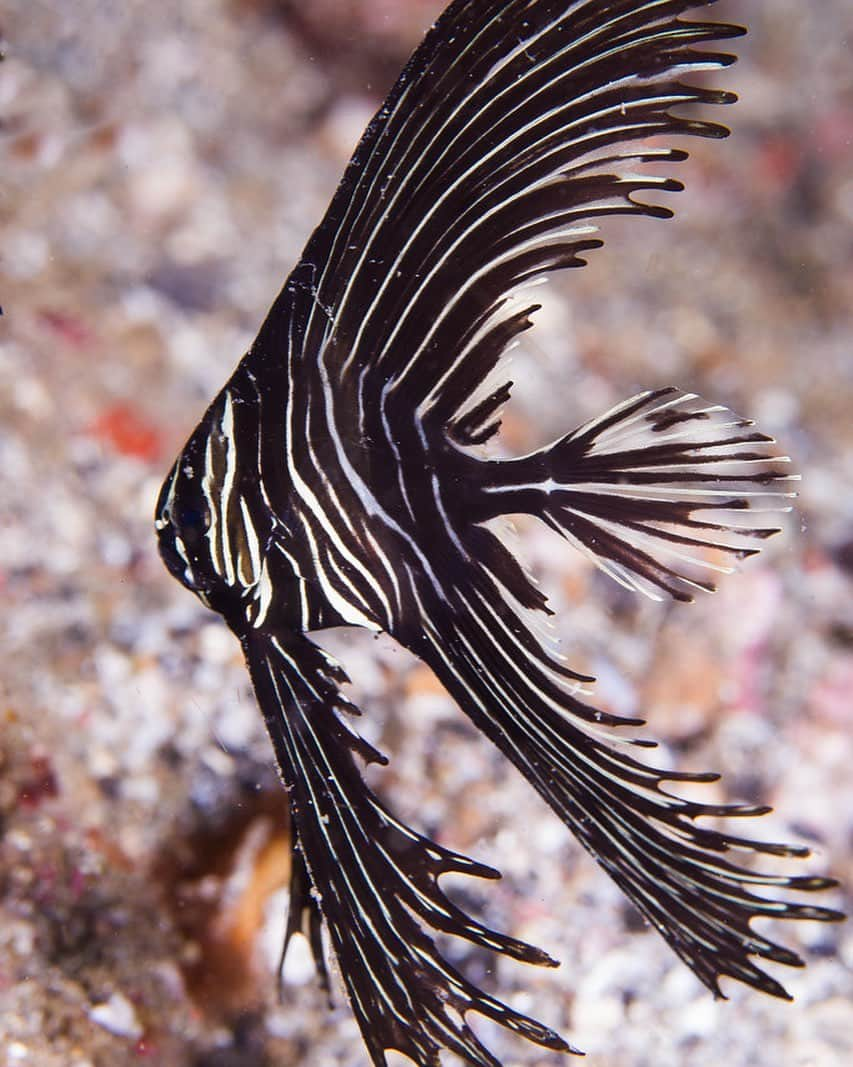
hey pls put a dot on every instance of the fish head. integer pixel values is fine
(182, 521)
(211, 522)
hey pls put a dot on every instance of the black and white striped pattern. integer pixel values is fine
(333, 482)
(658, 492)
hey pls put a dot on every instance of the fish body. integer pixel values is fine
(339, 479)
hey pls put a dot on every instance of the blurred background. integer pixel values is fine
(162, 166)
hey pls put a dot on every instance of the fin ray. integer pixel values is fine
(373, 880)
(677, 872)
(509, 134)
(657, 492)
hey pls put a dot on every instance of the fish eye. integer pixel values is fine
(193, 523)
(192, 517)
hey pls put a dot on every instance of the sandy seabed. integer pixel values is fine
(162, 165)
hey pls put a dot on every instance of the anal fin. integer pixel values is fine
(374, 882)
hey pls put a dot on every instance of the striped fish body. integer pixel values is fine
(272, 526)
(339, 479)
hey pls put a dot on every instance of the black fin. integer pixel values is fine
(660, 492)
(679, 874)
(303, 916)
(514, 129)
(374, 881)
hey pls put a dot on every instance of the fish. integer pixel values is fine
(343, 478)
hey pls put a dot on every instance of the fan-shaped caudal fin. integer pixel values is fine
(374, 881)
(659, 491)
(676, 872)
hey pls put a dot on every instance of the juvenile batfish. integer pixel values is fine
(337, 480)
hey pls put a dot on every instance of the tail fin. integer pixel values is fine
(676, 872)
(658, 491)
(372, 879)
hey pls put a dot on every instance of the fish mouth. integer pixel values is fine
(177, 560)
(172, 554)
(172, 549)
